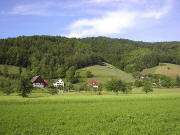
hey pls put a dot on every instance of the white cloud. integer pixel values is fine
(111, 23)
(115, 22)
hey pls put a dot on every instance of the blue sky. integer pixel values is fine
(143, 20)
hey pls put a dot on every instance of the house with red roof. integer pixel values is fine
(93, 84)
(39, 82)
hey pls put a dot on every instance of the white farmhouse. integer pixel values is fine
(58, 82)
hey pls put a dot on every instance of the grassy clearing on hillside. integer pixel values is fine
(12, 69)
(105, 73)
(152, 114)
(167, 69)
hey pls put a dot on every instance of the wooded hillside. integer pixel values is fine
(133, 56)
(46, 55)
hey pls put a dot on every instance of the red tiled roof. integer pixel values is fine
(93, 83)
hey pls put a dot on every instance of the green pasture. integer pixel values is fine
(105, 73)
(85, 114)
(167, 69)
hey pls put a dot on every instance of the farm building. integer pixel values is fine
(93, 84)
(144, 76)
(39, 82)
(58, 82)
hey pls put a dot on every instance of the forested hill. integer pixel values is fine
(46, 55)
(134, 56)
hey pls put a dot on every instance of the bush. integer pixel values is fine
(8, 90)
(69, 87)
(147, 87)
(163, 80)
(53, 91)
(100, 89)
(89, 74)
(129, 87)
(25, 87)
(117, 85)
(83, 87)
(138, 83)
(178, 81)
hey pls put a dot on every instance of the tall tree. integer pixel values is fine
(25, 87)
(114, 85)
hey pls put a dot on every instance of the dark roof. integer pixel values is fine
(35, 78)
(40, 78)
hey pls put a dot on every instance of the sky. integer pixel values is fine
(140, 20)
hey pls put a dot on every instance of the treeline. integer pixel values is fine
(45, 55)
(134, 56)
(51, 55)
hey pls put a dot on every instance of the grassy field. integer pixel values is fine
(167, 69)
(105, 73)
(84, 114)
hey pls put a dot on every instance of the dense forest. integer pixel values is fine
(49, 55)
(134, 56)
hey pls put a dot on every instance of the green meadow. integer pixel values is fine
(105, 73)
(85, 114)
(167, 69)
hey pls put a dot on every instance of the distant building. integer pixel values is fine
(39, 82)
(93, 84)
(59, 82)
(144, 76)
